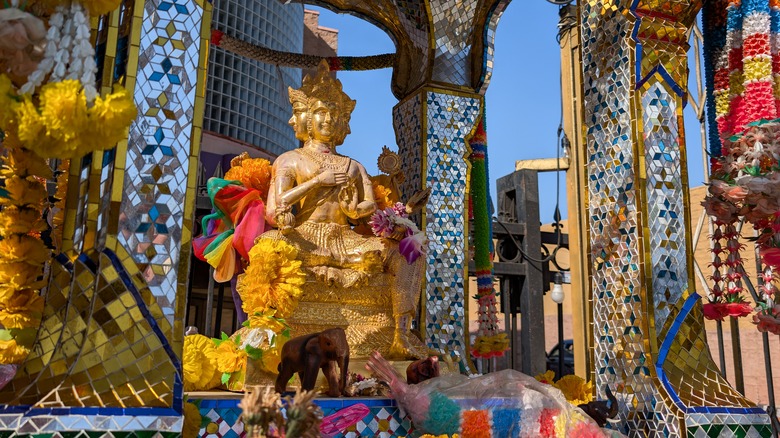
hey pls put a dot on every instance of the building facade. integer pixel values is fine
(246, 100)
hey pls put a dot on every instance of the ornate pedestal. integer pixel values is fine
(366, 313)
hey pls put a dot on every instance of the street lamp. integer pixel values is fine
(557, 295)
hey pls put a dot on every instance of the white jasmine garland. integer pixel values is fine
(47, 63)
(69, 53)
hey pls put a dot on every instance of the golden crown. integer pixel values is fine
(323, 87)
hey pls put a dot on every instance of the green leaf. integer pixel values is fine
(754, 171)
(286, 332)
(254, 353)
(224, 337)
(225, 378)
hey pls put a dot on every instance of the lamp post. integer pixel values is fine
(557, 295)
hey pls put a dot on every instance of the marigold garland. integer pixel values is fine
(254, 173)
(229, 357)
(576, 390)
(273, 279)
(20, 220)
(22, 254)
(200, 363)
(22, 310)
(382, 196)
(11, 352)
(192, 421)
(62, 124)
(548, 377)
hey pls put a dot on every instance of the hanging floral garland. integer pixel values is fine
(22, 255)
(742, 67)
(490, 342)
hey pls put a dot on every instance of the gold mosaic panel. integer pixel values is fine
(689, 356)
(23, 389)
(123, 362)
(37, 384)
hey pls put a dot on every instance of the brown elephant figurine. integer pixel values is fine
(422, 370)
(307, 354)
(602, 411)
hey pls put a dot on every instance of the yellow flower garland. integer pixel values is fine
(192, 421)
(61, 124)
(22, 253)
(22, 310)
(576, 390)
(11, 352)
(20, 220)
(382, 197)
(272, 280)
(200, 363)
(24, 248)
(254, 173)
(229, 358)
(23, 192)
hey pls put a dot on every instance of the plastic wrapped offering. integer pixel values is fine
(504, 403)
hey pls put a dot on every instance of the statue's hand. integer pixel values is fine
(348, 201)
(330, 178)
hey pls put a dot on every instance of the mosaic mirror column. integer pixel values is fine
(650, 346)
(108, 354)
(444, 59)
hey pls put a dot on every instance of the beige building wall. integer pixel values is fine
(318, 40)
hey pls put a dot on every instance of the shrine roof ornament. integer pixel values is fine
(447, 42)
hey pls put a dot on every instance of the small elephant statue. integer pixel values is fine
(422, 370)
(307, 354)
(602, 411)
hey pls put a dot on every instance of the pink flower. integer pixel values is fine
(723, 211)
(763, 208)
(22, 40)
(381, 224)
(732, 193)
(721, 310)
(412, 247)
(771, 256)
(400, 210)
(768, 321)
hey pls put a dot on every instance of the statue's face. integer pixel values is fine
(298, 121)
(324, 124)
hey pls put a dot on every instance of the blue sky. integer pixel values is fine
(523, 99)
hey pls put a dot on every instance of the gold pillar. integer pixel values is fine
(649, 343)
(576, 188)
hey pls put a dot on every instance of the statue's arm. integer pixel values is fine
(367, 204)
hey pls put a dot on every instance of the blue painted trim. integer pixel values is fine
(663, 352)
(658, 68)
(88, 262)
(64, 261)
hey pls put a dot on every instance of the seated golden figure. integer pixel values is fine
(360, 283)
